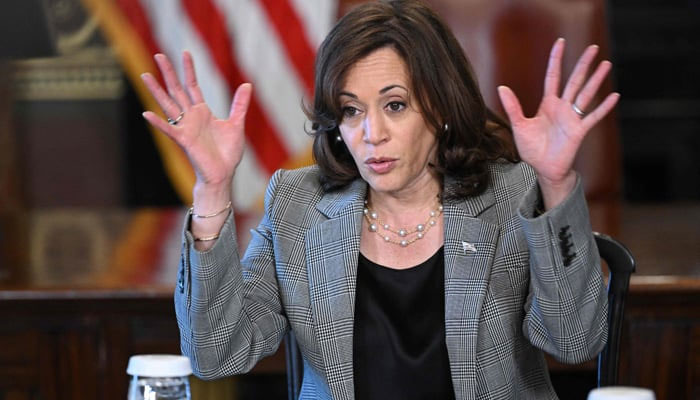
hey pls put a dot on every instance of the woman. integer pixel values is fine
(418, 258)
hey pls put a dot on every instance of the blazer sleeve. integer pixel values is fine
(566, 309)
(229, 310)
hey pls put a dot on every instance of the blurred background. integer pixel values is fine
(92, 200)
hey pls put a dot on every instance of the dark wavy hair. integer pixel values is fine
(441, 78)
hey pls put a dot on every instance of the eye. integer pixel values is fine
(350, 111)
(396, 106)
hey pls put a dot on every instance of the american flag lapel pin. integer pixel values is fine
(468, 247)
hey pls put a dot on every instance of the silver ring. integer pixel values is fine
(578, 110)
(176, 120)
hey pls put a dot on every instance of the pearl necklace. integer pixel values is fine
(406, 236)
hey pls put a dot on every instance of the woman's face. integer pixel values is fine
(383, 126)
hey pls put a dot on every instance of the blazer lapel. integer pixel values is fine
(332, 249)
(470, 244)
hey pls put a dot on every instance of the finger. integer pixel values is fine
(191, 79)
(601, 111)
(171, 82)
(578, 75)
(511, 105)
(241, 101)
(166, 103)
(161, 125)
(591, 87)
(553, 74)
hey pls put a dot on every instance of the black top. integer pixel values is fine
(399, 349)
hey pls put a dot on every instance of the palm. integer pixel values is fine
(550, 140)
(213, 146)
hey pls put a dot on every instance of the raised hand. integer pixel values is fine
(213, 146)
(550, 140)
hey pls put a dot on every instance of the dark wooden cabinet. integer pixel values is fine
(660, 346)
(76, 344)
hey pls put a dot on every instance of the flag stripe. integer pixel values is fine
(263, 60)
(270, 43)
(209, 22)
(136, 255)
(291, 33)
(163, 15)
(317, 18)
(135, 56)
(137, 17)
(250, 179)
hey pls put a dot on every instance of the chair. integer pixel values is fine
(620, 265)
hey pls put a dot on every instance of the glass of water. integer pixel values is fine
(159, 377)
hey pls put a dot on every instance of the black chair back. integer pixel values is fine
(621, 265)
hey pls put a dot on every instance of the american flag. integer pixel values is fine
(271, 43)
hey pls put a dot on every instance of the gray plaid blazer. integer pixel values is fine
(533, 284)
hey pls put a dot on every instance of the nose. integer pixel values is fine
(374, 129)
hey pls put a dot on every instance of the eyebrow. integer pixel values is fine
(382, 91)
(388, 88)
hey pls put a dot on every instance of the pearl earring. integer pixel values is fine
(338, 138)
(445, 128)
